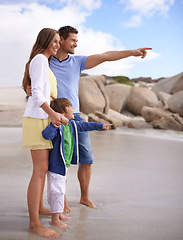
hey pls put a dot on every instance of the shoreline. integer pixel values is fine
(152, 133)
(141, 132)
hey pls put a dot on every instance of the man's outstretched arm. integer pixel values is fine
(96, 59)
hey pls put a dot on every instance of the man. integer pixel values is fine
(67, 69)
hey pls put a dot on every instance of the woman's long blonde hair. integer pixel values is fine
(43, 42)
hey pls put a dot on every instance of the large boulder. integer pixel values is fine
(161, 118)
(168, 122)
(169, 85)
(175, 103)
(116, 117)
(118, 94)
(107, 118)
(140, 97)
(94, 118)
(99, 80)
(128, 120)
(163, 97)
(153, 113)
(112, 117)
(136, 123)
(91, 97)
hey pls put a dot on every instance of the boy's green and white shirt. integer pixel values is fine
(68, 144)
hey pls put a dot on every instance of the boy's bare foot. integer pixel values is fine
(43, 231)
(88, 203)
(59, 223)
(63, 217)
(44, 211)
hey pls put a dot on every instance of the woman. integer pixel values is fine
(36, 117)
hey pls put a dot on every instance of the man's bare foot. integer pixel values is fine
(67, 209)
(60, 224)
(88, 203)
(44, 211)
(43, 231)
(63, 217)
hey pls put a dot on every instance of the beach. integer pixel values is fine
(137, 184)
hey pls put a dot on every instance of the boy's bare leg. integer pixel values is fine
(84, 175)
(67, 209)
(57, 222)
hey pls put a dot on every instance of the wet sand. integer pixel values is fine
(137, 183)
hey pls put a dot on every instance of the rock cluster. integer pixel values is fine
(158, 104)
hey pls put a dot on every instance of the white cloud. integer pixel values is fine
(145, 8)
(148, 7)
(96, 42)
(150, 56)
(135, 21)
(20, 24)
(89, 4)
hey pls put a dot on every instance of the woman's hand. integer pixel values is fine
(58, 119)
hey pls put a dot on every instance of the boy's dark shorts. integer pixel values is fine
(85, 150)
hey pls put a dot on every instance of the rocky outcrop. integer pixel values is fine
(169, 85)
(92, 95)
(135, 123)
(153, 113)
(142, 79)
(94, 118)
(99, 80)
(140, 97)
(133, 106)
(112, 117)
(163, 97)
(163, 119)
(116, 117)
(175, 103)
(117, 94)
(167, 122)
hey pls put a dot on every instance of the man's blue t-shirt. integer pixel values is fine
(67, 73)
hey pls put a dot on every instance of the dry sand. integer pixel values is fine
(12, 105)
(137, 182)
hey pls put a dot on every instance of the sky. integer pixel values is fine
(103, 25)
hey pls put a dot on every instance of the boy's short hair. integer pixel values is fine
(59, 105)
(64, 31)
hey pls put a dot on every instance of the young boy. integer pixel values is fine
(65, 152)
